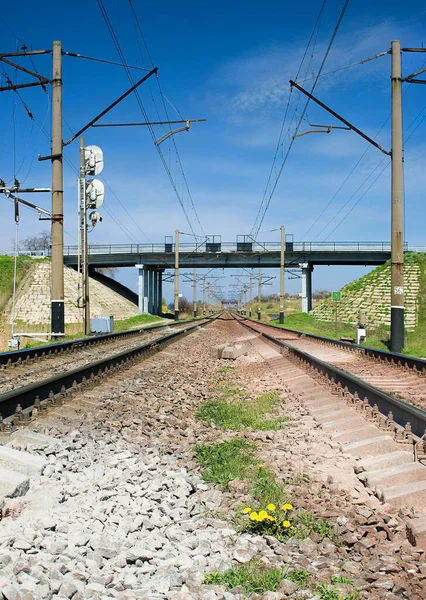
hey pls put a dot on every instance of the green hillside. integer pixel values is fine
(372, 293)
(6, 276)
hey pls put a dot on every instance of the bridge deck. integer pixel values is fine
(222, 255)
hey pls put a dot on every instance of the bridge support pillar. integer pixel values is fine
(307, 269)
(160, 292)
(155, 292)
(146, 290)
(150, 291)
(142, 289)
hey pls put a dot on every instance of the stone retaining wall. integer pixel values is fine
(33, 298)
(372, 293)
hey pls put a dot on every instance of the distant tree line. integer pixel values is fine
(35, 243)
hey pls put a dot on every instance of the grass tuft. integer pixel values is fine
(265, 488)
(299, 576)
(253, 577)
(231, 412)
(225, 461)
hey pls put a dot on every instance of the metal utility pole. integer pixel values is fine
(84, 242)
(57, 268)
(259, 294)
(195, 292)
(245, 300)
(177, 275)
(397, 213)
(282, 275)
(204, 295)
(251, 291)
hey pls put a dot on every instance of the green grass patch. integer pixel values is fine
(305, 524)
(230, 412)
(341, 579)
(23, 265)
(415, 341)
(253, 577)
(308, 324)
(123, 324)
(226, 370)
(225, 461)
(328, 592)
(377, 338)
(265, 488)
(299, 576)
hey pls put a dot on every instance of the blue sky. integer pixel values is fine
(229, 63)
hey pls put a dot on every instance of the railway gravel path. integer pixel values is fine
(403, 383)
(121, 511)
(20, 374)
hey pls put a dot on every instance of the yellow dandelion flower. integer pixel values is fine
(246, 510)
(270, 518)
(253, 516)
(260, 518)
(287, 507)
(260, 466)
(286, 524)
(271, 507)
(263, 514)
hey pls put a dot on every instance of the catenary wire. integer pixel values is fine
(355, 64)
(287, 108)
(139, 28)
(40, 125)
(142, 108)
(349, 175)
(371, 185)
(265, 204)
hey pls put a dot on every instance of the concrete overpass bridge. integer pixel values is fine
(153, 259)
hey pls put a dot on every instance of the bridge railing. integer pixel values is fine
(232, 247)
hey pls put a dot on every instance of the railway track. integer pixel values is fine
(30, 365)
(17, 357)
(115, 497)
(395, 383)
(22, 403)
(384, 434)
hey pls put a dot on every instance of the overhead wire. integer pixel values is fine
(348, 177)
(355, 64)
(352, 171)
(371, 185)
(142, 108)
(266, 200)
(102, 60)
(278, 146)
(40, 125)
(163, 97)
(111, 213)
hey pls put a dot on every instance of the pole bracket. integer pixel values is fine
(51, 157)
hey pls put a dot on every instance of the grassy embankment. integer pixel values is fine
(6, 289)
(415, 341)
(6, 276)
(73, 330)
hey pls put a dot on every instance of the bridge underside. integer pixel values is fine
(151, 266)
(223, 260)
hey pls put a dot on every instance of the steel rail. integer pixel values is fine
(405, 360)
(54, 389)
(403, 413)
(50, 350)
